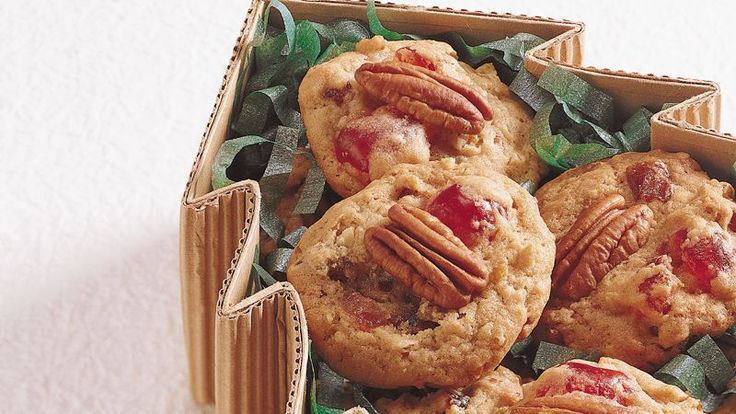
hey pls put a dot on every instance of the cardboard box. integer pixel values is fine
(248, 353)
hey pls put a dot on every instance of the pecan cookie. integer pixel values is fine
(410, 101)
(492, 392)
(426, 277)
(645, 259)
(609, 386)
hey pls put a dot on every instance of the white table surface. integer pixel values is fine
(102, 107)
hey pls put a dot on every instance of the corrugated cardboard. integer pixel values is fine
(249, 352)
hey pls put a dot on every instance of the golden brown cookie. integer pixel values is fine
(494, 391)
(607, 387)
(646, 256)
(426, 277)
(410, 101)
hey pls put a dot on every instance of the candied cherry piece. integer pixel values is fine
(356, 141)
(673, 246)
(469, 218)
(354, 145)
(706, 257)
(661, 304)
(411, 56)
(649, 180)
(367, 313)
(603, 382)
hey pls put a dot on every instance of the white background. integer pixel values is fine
(102, 106)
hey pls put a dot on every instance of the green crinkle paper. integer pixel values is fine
(549, 355)
(572, 126)
(556, 150)
(377, 27)
(717, 369)
(274, 179)
(510, 50)
(704, 372)
(685, 372)
(331, 393)
(225, 157)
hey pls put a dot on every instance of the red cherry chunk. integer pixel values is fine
(706, 257)
(356, 141)
(673, 246)
(469, 218)
(354, 145)
(661, 304)
(366, 312)
(607, 383)
(650, 180)
(411, 56)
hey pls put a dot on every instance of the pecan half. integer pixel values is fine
(603, 236)
(422, 253)
(426, 95)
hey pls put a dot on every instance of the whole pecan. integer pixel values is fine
(603, 236)
(422, 253)
(426, 95)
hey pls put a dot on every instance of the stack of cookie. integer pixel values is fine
(429, 271)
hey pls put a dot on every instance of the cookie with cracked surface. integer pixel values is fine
(426, 277)
(411, 101)
(494, 391)
(646, 256)
(609, 386)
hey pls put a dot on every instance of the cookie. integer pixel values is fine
(426, 277)
(494, 391)
(609, 386)
(411, 101)
(645, 260)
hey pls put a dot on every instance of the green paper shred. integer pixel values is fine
(522, 347)
(292, 239)
(685, 372)
(330, 393)
(549, 355)
(732, 180)
(578, 93)
(277, 261)
(572, 126)
(378, 29)
(225, 156)
(713, 401)
(509, 51)
(314, 185)
(342, 30)
(529, 186)
(638, 131)
(274, 179)
(262, 275)
(717, 369)
(289, 25)
(335, 50)
(307, 41)
(525, 87)
(259, 104)
(556, 150)
(316, 397)
(273, 50)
